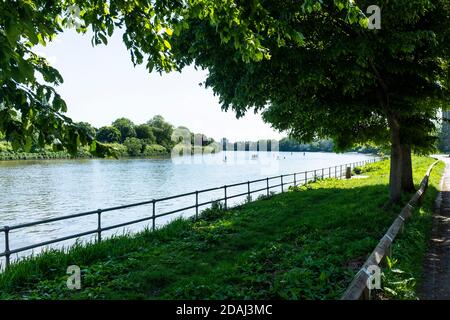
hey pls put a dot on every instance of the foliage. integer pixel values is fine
(144, 145)
(108, 134)
(403, 275)
(162, 131)
(126, 128)
(154, 150)
(295, 245)
(31, 107)
(330, 76)
(119, 149)
(134, 146)
(87, 129)
(324, 145)
(145, 132)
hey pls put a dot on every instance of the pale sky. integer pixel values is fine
(101, 85)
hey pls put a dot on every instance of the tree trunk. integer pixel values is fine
(395, 177)
(407, 175)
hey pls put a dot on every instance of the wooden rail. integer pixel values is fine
(358, 288)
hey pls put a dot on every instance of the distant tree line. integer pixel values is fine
(156, 137)
(291, 145)
(323, 145)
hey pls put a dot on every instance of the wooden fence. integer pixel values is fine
(358, 288)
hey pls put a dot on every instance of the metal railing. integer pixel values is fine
(297, 179)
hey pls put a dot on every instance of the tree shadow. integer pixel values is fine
(436, 269)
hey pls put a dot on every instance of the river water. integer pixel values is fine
(36, 190)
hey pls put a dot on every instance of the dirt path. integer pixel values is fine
(436, 278)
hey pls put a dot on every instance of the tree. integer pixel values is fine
(87, 129)
(108, 134)
(134, 146)
(31, 107)
(313, 68)
(126, 128)
(329, 76)
(162, 131)
(145, 132)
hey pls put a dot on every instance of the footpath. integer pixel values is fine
(436, 277)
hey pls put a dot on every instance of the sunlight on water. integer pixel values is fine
(35, 190)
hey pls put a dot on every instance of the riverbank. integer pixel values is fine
(121, 151)
(303, 244)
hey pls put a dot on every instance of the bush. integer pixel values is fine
(357, 170)
(154, 150)
(126, 128)
(120, 149)
(5, 146)
(134, 146)
(108, 134)
(145, 132)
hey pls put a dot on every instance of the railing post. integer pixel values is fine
(348, 173)
(315, 175)
(196, 205)
(322, 172)
(154, 215)
(295, 179)
(7, 252)
(248, 190)
(99, 225)
(329, 172)
(225, 191)
(267, 181)
(306, 177)
(282, 184)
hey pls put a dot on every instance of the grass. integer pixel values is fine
(303, 244)
(403, 276)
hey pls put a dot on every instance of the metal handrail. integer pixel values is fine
(299, 179)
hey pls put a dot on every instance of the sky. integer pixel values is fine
(101, 84)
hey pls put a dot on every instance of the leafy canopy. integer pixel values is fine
(312, 67)
(29, 103)
(330, 76)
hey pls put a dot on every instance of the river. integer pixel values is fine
(35, 190)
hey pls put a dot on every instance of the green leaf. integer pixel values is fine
(167, 44)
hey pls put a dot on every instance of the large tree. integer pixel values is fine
(30, 106)
(312, 67)
(329, 76)
(126, 128)
(162, 131)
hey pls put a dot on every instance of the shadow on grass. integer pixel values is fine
(296, 245)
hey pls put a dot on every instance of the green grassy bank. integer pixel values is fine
(303, 244)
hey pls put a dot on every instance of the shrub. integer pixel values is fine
(134, 146)
(145, 132)
(154, 150)
(120, 149)
(108, 134)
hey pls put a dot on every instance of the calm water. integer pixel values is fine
(34, 190)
